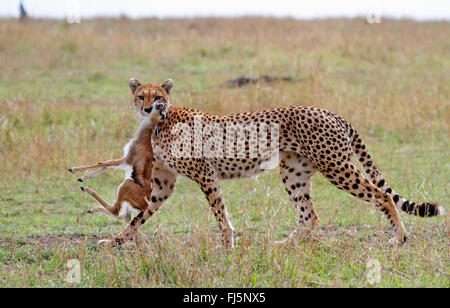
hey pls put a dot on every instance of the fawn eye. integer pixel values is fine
(157, 98)
(141, 97)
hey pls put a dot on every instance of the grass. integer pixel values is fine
(65, 101)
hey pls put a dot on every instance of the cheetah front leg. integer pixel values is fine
(213, 194)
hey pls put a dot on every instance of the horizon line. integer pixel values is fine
(234, 16)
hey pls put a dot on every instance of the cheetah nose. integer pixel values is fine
(148, 110)
(158, 106)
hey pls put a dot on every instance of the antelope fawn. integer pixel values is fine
(135, 190)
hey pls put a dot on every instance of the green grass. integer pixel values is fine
(64, 101)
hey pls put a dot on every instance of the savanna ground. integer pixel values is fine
(64, 101)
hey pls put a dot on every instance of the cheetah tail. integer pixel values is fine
(373, 173)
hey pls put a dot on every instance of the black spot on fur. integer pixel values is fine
(134, 176)
(408, 207)
(118, 241)
(427, 209)
(396, 198)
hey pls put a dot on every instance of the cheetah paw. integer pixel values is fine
(395, 242)
(106, 243)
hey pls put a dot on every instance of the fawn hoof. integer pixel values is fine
(82, 188)
(70, 170)
(80, 180)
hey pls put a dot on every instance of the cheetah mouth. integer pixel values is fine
(146, 113)
(154, 109)
(164, 112)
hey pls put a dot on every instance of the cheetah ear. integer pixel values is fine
(133, 84)
(167, 85)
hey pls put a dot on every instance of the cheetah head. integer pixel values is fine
(151, 99)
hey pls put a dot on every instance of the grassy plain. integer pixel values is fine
(64, 101)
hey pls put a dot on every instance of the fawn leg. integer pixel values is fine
(105, 206)
(107, 163)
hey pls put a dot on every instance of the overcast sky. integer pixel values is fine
(417, 9)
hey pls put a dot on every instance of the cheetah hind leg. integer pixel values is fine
(296, 172)
(351, 180)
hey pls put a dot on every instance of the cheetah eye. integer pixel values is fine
(157, 98)
(141, 97)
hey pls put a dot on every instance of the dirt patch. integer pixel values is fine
(47, 241)
(368, 233)
(248, 80)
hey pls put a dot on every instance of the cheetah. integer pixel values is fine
(309, 139)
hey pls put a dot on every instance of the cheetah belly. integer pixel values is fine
(238, 167)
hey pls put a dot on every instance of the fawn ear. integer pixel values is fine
(167, 85)
(133, 84)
